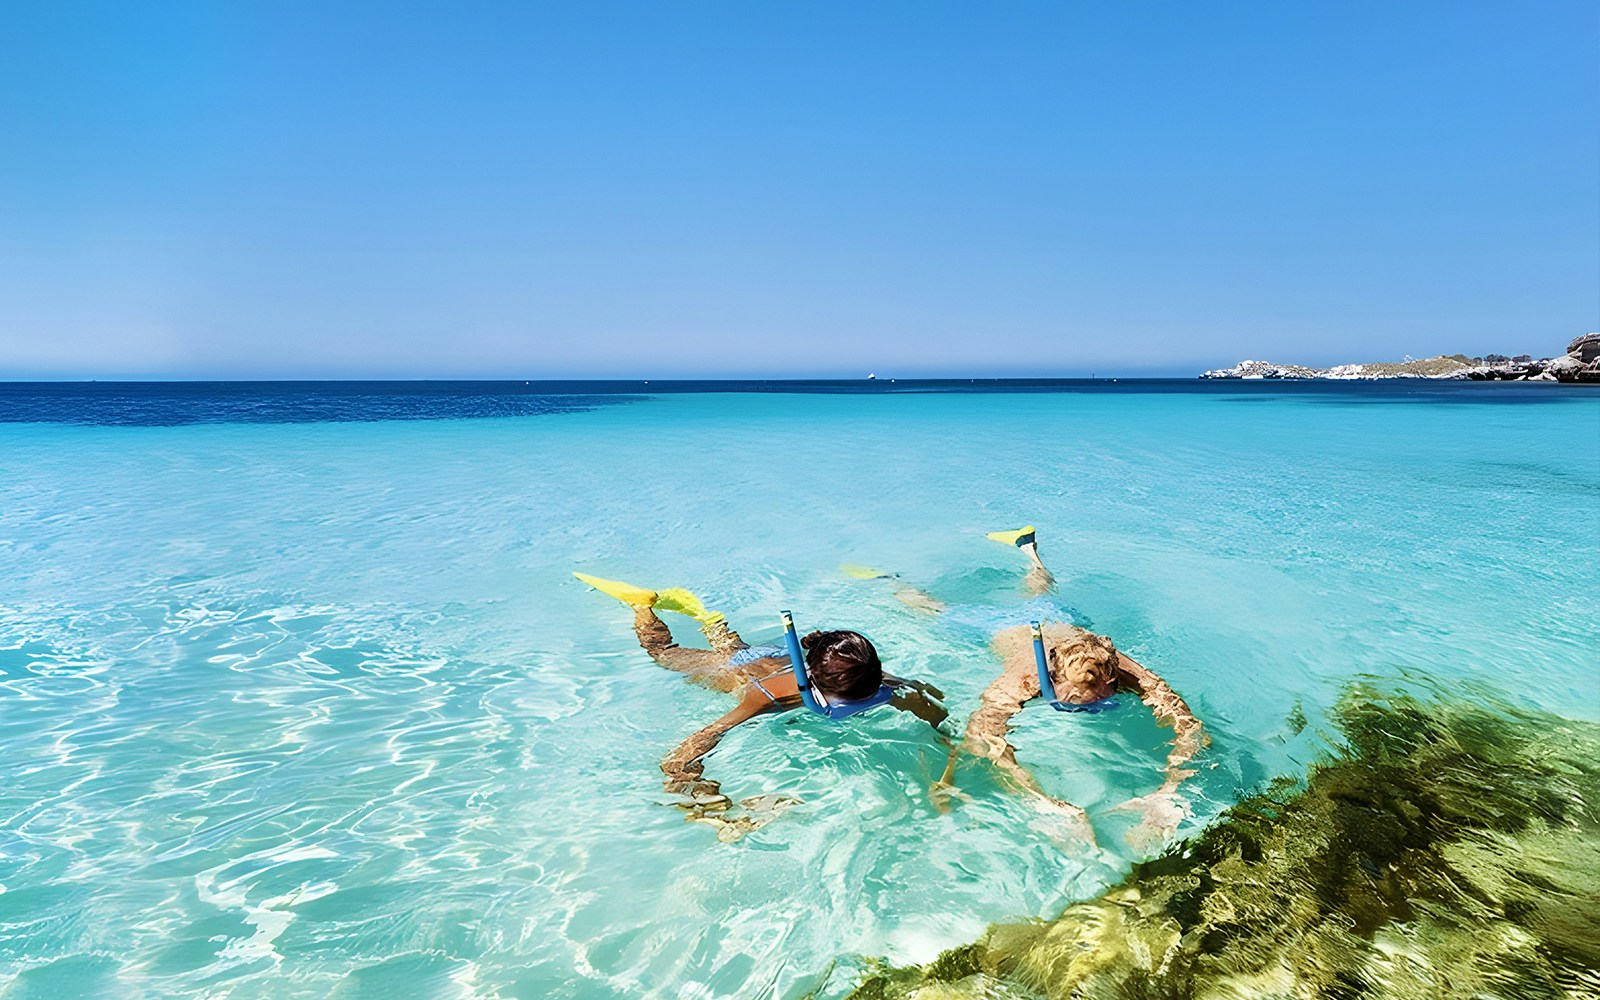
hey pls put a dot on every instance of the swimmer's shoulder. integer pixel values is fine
(1017, 640)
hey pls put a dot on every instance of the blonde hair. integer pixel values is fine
(1084, 656)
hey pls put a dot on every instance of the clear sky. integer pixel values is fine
(526, 190)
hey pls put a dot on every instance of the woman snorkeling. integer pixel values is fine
(843, 673)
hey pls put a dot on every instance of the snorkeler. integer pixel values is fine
(1074, 670)
(842, 677)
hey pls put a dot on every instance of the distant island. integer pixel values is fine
(1581, 363)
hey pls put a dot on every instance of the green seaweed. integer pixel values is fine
(1440, 849)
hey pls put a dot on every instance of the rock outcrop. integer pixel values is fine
(1585, 348)
(1581, 363)
(1445, 849)
(1265, 369)
(1440, 367)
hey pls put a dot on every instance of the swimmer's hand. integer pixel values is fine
(1161, 812)
(921, 687)
(944, 793)
(700, 796)
(759, 811)
(1063, 822)
(921, 700)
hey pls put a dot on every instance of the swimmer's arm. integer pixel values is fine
(684, 768)
(1168, 707)
(918, 600)
(986, 738)
(987, 729)
(921, 700)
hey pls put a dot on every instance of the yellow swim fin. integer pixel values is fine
(627, 593)
(1019, 538)
(683, 602)
(864, 572)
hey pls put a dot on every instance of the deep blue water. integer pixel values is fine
(164, 404)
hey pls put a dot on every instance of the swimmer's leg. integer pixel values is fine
(1039, 579)
(704, 666)
(908, 595)
(722, 638)
(713, 625)
(656, 638)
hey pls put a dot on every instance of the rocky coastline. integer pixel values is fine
(1580, 363)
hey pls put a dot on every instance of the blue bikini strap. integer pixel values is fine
(763, 688)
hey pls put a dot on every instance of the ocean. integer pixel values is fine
(298, 696)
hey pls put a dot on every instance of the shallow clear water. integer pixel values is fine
(316, 707)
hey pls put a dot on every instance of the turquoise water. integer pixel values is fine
(316, 708)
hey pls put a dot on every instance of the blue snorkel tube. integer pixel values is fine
(797, 662)
(802, 679)
(1047, 687)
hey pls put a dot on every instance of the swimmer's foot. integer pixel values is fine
(915, 599)
(911, 597)
(627, 593)
(713, 624)
(1039, 579)
(683, 602)
(1021, 538)
(763, 809)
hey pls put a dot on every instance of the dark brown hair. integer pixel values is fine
(843, 664)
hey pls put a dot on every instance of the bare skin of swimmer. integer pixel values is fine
(1039, 579)
(1087, 670)
(1087, 683)
(683, 767)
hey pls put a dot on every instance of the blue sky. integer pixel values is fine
(526, 190)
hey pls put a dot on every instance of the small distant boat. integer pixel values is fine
(872, 374)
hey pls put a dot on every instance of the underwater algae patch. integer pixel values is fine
(1444, 849)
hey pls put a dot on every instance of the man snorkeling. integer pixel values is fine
(1074, 670)
(1084, 672)
(842, 676)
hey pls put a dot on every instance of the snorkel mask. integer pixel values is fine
(1047, 688)
(835, 708)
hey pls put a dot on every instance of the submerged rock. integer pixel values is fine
(1445, 850)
